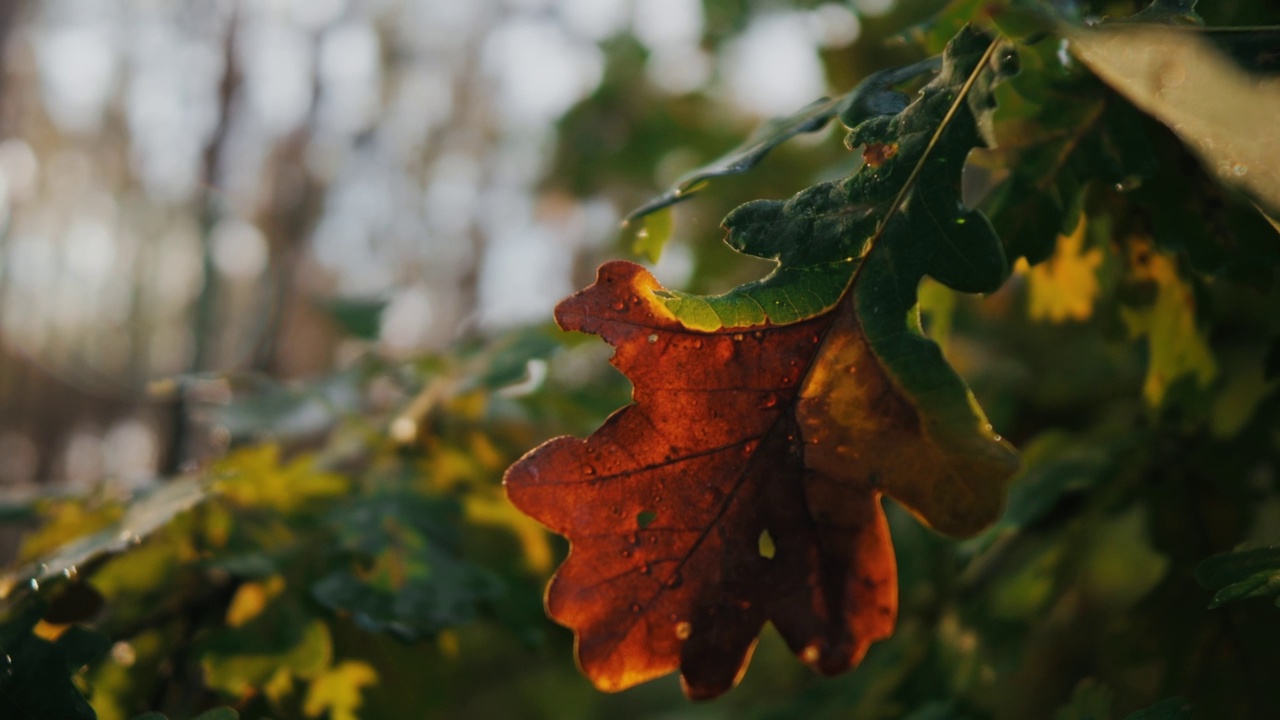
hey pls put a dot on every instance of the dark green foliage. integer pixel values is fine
(1241, 575)
(35, 674)
(1174, 708)
(416, 585)
(214, 714)
(359, 317)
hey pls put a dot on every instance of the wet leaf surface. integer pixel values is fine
(742, 485)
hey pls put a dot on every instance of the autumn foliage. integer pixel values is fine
(743, 484)
(1065, 210)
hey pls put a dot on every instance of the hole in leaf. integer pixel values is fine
(767, 548)
(645, 517)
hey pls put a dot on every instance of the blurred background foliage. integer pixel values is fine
(275, 278)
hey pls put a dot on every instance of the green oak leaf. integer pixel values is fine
(818, 237)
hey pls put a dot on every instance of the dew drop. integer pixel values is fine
(998, 438)
(851, 369)
(626, 553)
(683, 630)
(1240, 169)
(737, 337)
(619, 306)
(588, 470)
(768, 402)
(787, 379)
(644, 569)
(675, 581)
(635, 607)
(810, 654)
(653, 338)
(34, 583)
(697, 343)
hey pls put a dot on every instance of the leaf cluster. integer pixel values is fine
(1022, 238)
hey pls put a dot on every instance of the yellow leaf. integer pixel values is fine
(490, 508)
(486, 453)
(448, 642)
(1065, 286)
(279, 686)
(254, 476)
(67, 520)
(1175, 345)
(337, 690)
(49, 631)
(251, 599)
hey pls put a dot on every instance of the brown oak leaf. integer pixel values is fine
(720, 500)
